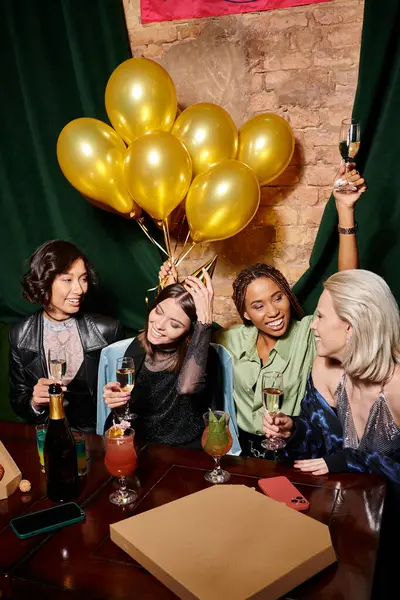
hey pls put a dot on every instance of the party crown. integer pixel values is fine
(209, 266)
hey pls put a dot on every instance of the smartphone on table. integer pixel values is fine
(282, 490)
(47, 520)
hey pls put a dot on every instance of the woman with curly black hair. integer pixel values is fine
(58, 279)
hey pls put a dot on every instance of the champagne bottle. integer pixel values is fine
(60, 452)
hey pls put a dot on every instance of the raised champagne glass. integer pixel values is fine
(272, 398)
(349, 144)
(121, 461)
(57, 361)
(216, 441)
(125, 376)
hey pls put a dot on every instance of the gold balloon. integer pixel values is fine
(133, 215)
(175, 219)
(222, 201)
(158, 172)
(266, 145)
(140, 97)
(209, 134)
(91, 156)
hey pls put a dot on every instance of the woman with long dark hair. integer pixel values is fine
(58, 279)
(176, 370)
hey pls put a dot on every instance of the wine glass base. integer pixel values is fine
(130, 416)
(217, 476)
(345, 188)
(123, 498)
(273, 444)
(125, 418)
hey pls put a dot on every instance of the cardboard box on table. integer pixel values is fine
(226, 542)
(12, 475)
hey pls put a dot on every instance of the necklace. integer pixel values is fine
(57, 320)
(161, 360)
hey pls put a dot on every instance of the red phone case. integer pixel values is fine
(280, 489)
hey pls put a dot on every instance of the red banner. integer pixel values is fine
(171, 10)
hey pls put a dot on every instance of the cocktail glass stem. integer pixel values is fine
(123, 487)
(123, 495)
(217, 475)
(217, 468)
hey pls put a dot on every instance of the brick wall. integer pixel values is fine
(300, 63)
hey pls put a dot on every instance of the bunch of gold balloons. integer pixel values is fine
(156, 156)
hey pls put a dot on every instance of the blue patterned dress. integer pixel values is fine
(322, 431)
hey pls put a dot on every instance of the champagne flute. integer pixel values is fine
(272, 398)
(349, 144)
(57, 364)
(126, 378)
(216, 441)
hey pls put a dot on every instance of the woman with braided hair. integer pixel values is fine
(275, 335)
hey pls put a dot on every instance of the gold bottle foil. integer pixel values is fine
(56, 407)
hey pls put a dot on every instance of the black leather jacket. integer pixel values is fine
(28, 365)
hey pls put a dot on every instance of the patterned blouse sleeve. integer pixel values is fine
(307, 439)
(317, 430)
(349, 459)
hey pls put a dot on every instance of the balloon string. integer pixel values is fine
(185, 242)
(167, 239)
(143, 227)
(158, 288)
(184, 255)
(161, 282)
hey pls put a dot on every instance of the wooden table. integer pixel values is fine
(80, 561)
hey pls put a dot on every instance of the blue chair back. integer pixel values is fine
(107, 368)
(229, 404)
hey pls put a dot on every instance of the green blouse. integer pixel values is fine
(292, 355)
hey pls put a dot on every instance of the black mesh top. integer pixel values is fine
(170, 406)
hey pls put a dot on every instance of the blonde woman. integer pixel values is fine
(350, 415)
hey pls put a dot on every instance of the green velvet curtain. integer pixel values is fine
(377, 106)
(57, 56)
